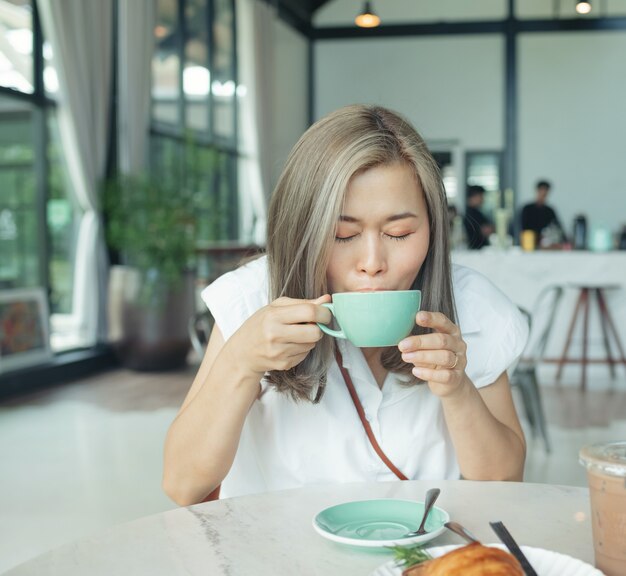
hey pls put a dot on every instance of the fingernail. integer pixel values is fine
(418, 372)
(407, 357)
(404, 345)
(422, 316)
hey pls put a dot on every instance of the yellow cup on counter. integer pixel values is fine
(527, 240)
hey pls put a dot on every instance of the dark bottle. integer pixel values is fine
(622, 239)
(580, 232)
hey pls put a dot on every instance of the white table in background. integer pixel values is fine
(523, 275)
(271, 534)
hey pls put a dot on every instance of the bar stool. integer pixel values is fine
(606, 323)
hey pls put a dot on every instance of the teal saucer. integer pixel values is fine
(375, 523)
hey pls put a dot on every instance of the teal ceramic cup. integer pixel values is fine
(373, 319)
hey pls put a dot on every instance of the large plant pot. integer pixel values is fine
(148, 319)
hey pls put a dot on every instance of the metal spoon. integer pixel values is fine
(429, 502)
(462, 532)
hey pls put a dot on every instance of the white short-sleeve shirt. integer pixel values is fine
(286, 444)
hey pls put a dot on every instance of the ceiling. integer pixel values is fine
(299, 12)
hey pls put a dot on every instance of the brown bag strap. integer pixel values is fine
(215, 495)
(366, 424)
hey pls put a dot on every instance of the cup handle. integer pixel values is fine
(326, 329)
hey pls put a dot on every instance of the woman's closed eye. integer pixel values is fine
(385, 234)
(345, 238)
(398, 236)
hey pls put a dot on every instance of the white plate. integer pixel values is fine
(545, 563)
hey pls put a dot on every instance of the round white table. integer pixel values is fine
(272, 533)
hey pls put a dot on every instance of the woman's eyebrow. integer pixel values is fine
(401, 216)
(392, 218)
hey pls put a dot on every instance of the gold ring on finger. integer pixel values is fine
(456, 361)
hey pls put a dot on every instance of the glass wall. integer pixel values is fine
(16, 28)
(197, 67)
(37, 216)
(19, 233)
(485, 169)
(223, 85)
(193, 139)
(166, 65)
(62, 225)
(194, 108)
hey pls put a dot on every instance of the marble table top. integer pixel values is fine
(272, 533)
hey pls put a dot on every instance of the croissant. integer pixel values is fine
(471, 560)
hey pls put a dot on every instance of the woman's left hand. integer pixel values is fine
(438, 357)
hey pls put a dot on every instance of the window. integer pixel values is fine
(194, 111)
(448, 173)
(20, 257)
(449, 158)
(62, 222)
(194, 131)
(223, 85)
(16, 28)
(485, 169)
(37, 217)
(197, 66)
(166, 65)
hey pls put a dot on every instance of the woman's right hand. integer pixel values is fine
(280, 335)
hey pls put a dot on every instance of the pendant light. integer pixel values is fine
(583, 6)
(367, 18)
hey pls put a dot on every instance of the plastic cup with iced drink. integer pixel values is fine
(606, 475)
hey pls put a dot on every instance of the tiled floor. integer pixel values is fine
(82, 457)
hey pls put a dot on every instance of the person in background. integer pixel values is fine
(538, 216)
(478, 227)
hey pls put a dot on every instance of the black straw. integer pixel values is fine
(506, 538)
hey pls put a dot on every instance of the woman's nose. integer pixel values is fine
(372, 259)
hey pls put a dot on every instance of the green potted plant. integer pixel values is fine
(151, 224)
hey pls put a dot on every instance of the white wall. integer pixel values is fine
(572, 122)
(571, 98)
(451, 88)
(291, 111)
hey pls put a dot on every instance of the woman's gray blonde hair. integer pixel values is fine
(305, 209)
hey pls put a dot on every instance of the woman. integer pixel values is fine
(360, 206)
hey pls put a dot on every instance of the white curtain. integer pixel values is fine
(135, 49)
(256, 38)
(80, 32)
